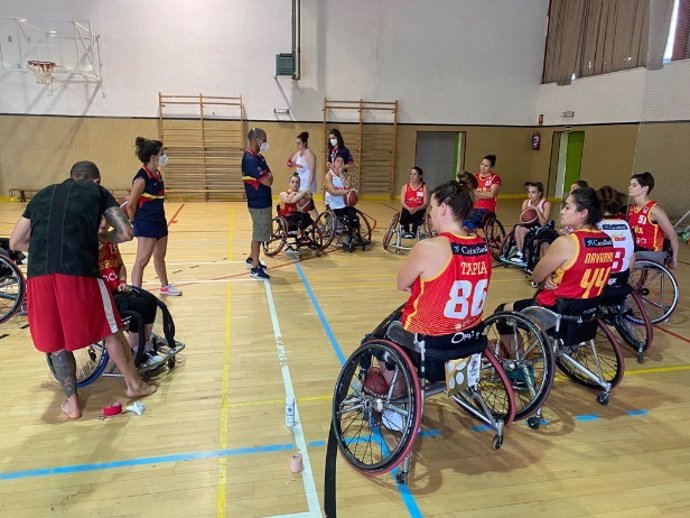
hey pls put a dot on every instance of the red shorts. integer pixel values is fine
(69, 312)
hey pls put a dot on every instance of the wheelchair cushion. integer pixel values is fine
(573, 332)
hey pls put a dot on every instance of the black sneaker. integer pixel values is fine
(248, 262)
(259, 273)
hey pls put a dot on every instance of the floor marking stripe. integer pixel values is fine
(676, 335)
(221, 498)
(307, 475)
(172, 220)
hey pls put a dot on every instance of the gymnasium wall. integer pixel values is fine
(446, 61)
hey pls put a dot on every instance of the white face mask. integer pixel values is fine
(163, 160)
(263, 147)
(334, 142)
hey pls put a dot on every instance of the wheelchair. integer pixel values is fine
(622, 308)
(394, 240)
(345, 232)
(93, 361)
(656, 286)
(534, 241)
(580, 344)
(292, 234)
(494, 234)
(376, 423)
(12, 287)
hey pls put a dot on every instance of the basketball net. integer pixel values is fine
(43, 70)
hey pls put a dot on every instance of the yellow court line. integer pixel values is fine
(221, 498)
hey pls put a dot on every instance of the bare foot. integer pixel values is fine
(71, 408)
(141, 390)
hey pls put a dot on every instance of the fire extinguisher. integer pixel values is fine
(536, 140)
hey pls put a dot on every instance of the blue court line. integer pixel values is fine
(641, 411)
(481, 428)
(322, 317)
(407, 497)
(144, 461)
(587, 417)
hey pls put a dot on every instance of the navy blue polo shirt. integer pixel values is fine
(343, 151)
(254, 168)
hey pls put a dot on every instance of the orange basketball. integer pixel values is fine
(303, 204)
(529, 216)
(374, 382)
(351, 198)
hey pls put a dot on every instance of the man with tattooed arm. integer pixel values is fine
(68, 305)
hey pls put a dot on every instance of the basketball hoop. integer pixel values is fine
(43, 70)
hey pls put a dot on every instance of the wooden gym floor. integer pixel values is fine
(212, 442)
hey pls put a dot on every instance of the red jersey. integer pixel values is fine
(109, 264)
(454, 299)
(287, 209)
(485, 185)
(586, 274)
(414, 197)
(648, 235)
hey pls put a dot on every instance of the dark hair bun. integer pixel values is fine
(140, 141)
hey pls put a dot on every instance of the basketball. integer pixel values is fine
(374, 382)
(303, 204)
(528, 216)
(351, 198)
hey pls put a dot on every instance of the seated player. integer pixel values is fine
(447, 277)
(649, 222)
(489, 184)
(619, 231)
(337, 186)
(577, 265)
(414, 198)
(297, 220)
(536, 201)
(114, 274)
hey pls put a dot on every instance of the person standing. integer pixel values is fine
(486, 193)
(336, 146)
(146, 211)
(68, 305)
(257, 178)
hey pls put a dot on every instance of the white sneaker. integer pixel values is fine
(151, 360)
(171, 290)
(393, 421)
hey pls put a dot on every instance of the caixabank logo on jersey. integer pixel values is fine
(469, 250)
(598, 242)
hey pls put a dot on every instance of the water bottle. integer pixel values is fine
(290, 412)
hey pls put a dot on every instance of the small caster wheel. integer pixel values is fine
(497, 442)
(401, 478)
(146, 375)
(534, 422)
(603, 398)
(534, 284)
(171, 363)
(640, 357)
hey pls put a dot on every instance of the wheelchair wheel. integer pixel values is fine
(507, 243)
(327, 222)
(12, 288)
(494, 233)
(607, 362)
(637, 336)
(526, 357)
(364, 232)
(279, 231)
(390, 232)
(657, 287)
(375, 428)
(428, 227)
(495, 389)
(91, 362)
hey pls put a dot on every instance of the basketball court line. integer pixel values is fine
(172, 220)
(675, 335)
(307, 475)
(221, 498)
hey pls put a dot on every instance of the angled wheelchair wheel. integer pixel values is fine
(495, 389)
(376, 423)
(364, 232)
(526, 357)
(91, 362)
(507, 244)
(428, 227)
(12, 288)
(607, 362)
(279, 234)
(494, 233)
(637, 336)
(327, 222)
(657, 287)
(391, 230)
